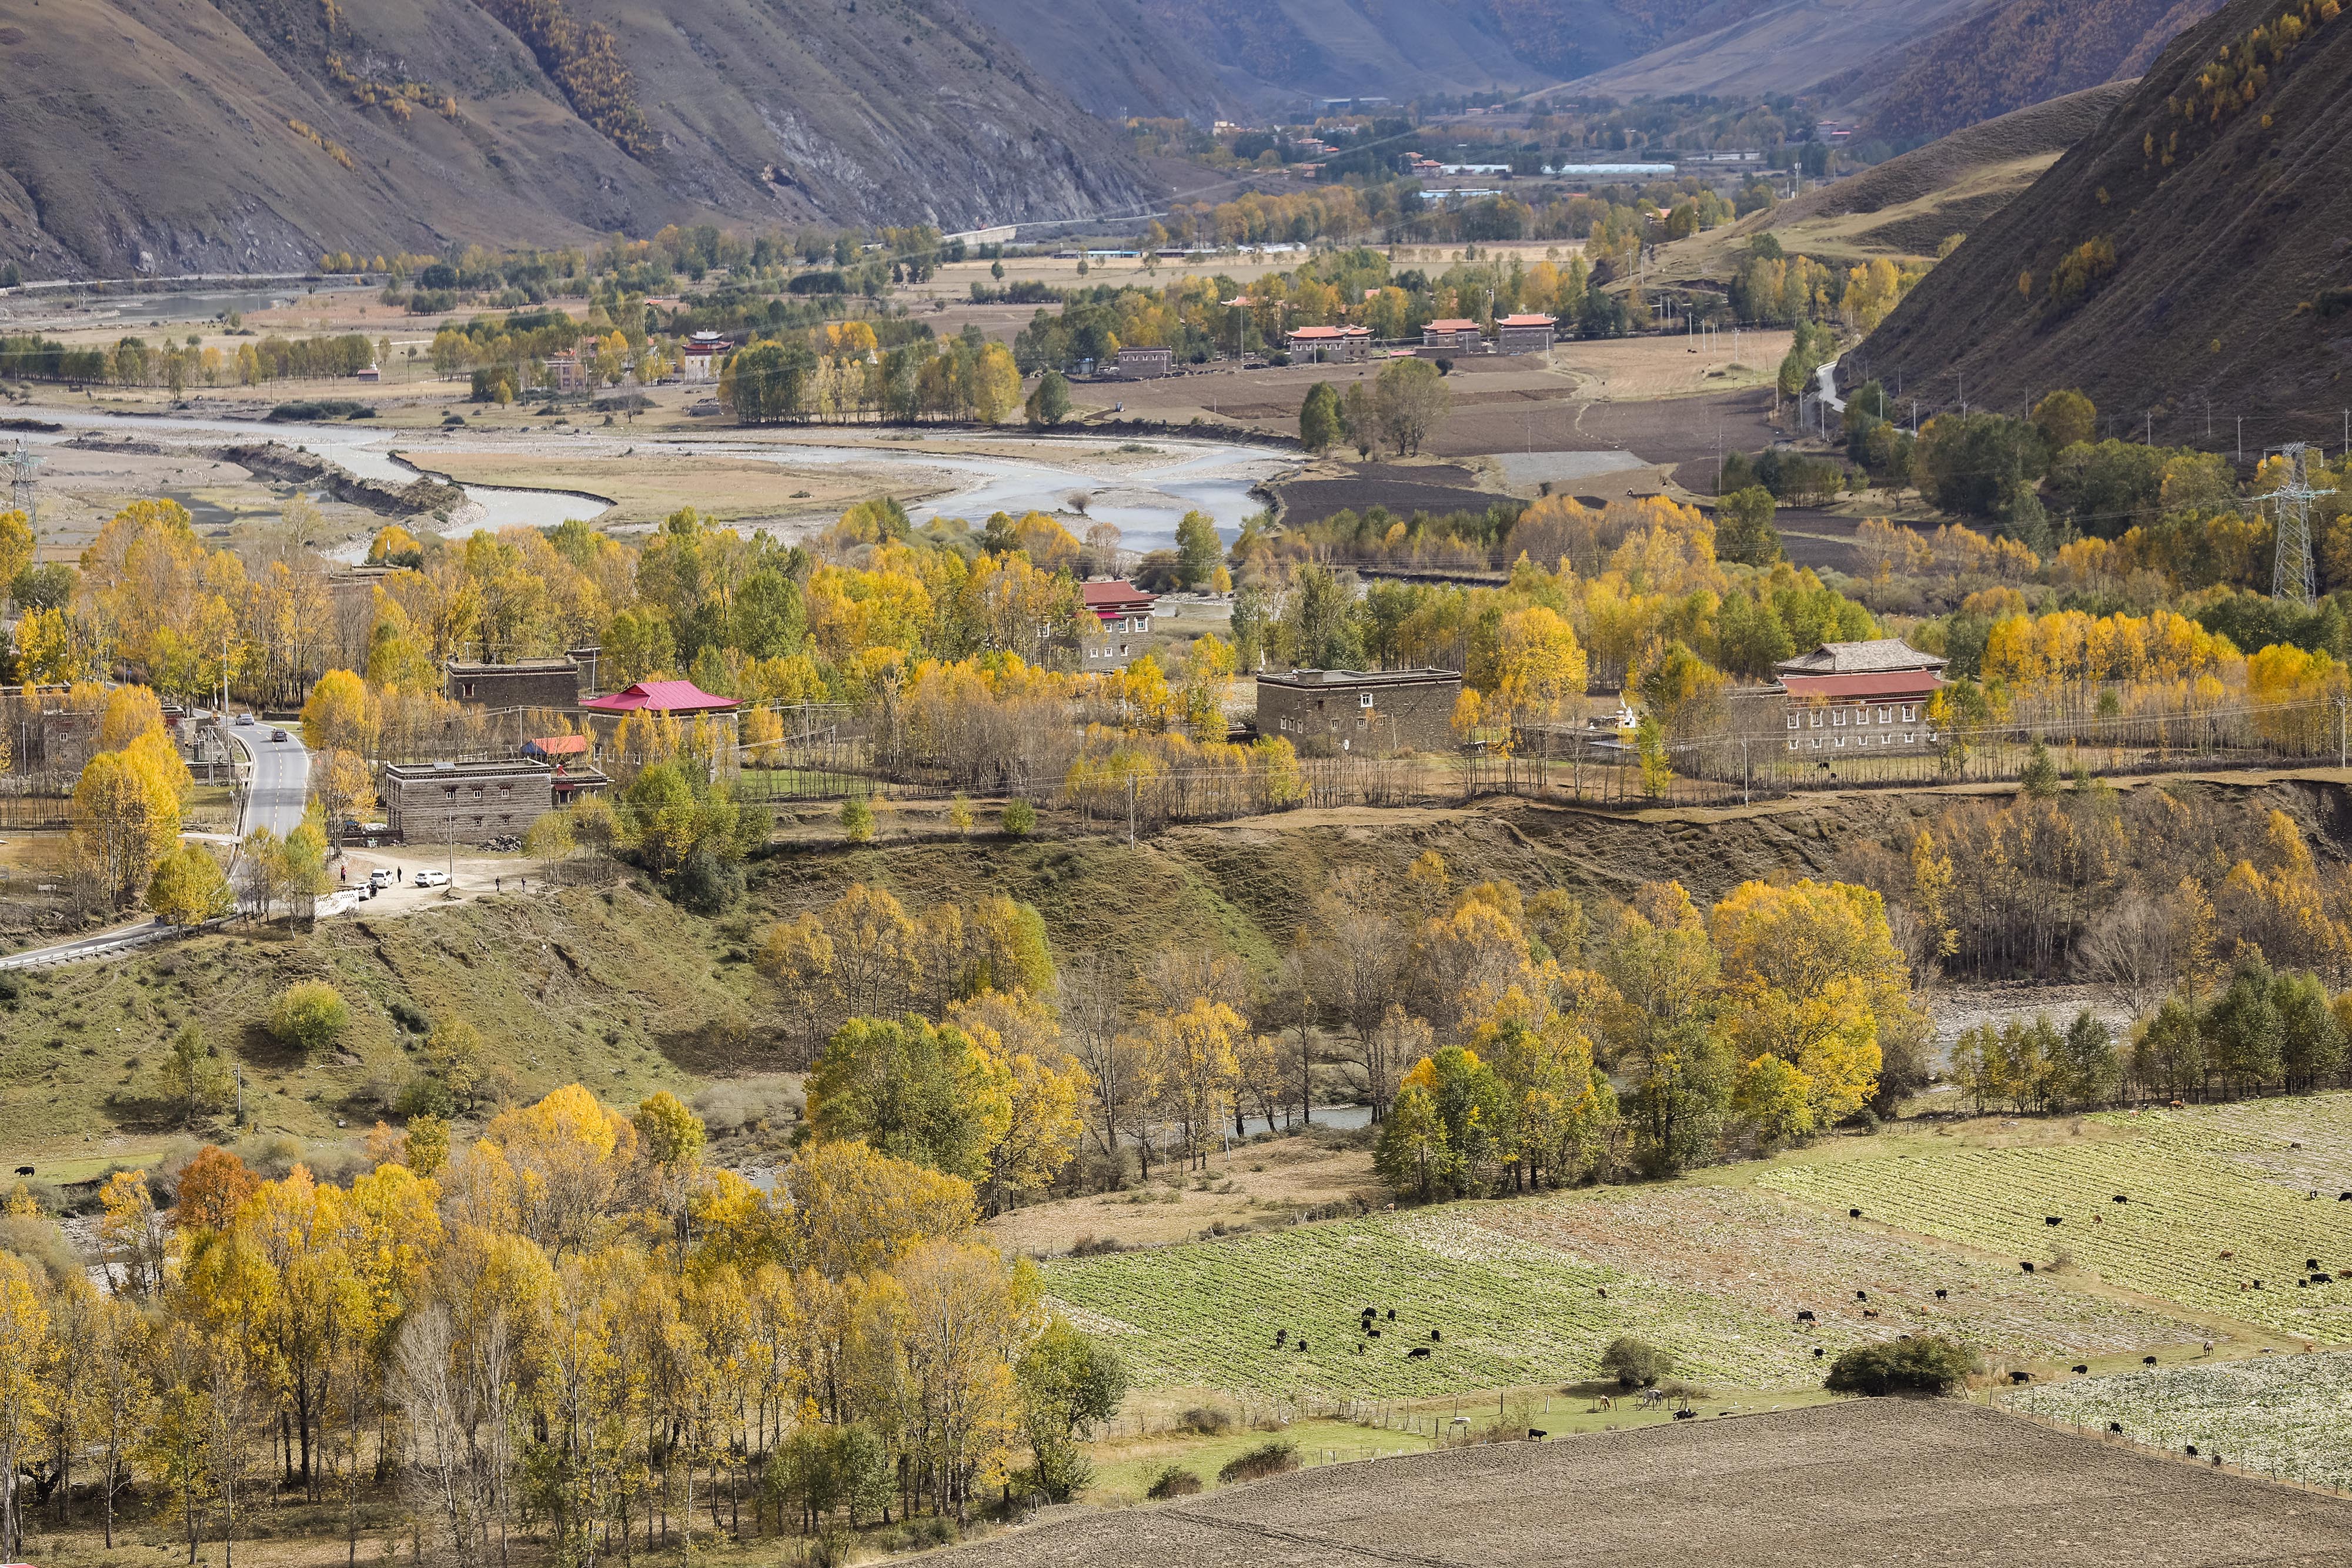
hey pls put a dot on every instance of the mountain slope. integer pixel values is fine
(2014, 53)
(1786, 46)
(175, 135)
(2224, 224)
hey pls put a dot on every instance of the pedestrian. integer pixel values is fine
(526, 884)
(497, 884)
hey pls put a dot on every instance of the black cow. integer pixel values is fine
(2147, 1360)
(2052, 1220)
(1686, 1415)
(2192, 1450)
(2026, 1267)
(2020, 1377)
(2121, 1198)
(1302, 1347)
(1861, 1295)
(1374, 1332)
(2323, 1278)
(1941, 1294)
(2079, 1367)
(1434, 1336)
(1817, 1353)
(1392, 1314)
(2115, 1425)
(1280, 1336)
(2310, 1262)
(1854, 1214)
(1536, 1434)
(1418, 1353)
(24, 1170)
(1807, 1316)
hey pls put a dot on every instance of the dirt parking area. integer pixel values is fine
(1890, 1483)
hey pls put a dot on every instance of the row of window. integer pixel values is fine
(1838, 742)
(1861, 716)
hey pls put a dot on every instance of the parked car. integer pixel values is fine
(380, 877)
(432, 879)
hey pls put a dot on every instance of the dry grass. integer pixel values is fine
(644, 490)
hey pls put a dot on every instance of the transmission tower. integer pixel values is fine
(21, 464)
(2290, 573)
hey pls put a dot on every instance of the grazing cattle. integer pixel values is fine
(2310, 1262)
(1392, 1314)
(1854, 1214)
(2121, 1198)
(2192, 1450)
(2115, 1425)
(1941, 1294)
(2080, 1368)
(24, 1170)
(1817, 1353)
(1374, 1332)
(1870, 1311)
(2258, 1284)
(2227, 1255)
(1302, 1347)
(1536, 1434)
(1686, 1415)
(1606, 1404)
(2020, 1377)
(1807, 1316)
(2026, 1267)
(1419, 1352)
(1360, 1347)
(1280, 1336)
(1603, 1293)
(1861, 1295)
(1434, 1336)
(2323, 1278)
(2344, 1197)
(2147, 1360)
(2052, 1219)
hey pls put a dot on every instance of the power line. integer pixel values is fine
(2291, 570)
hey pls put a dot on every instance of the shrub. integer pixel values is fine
(1927, 1363)
(410, 1017)
(1205, 1422)
(1020, 819)
(1174, 1481)
(1635, 1364)
(856, 820)
(307, 1015)
(1274, 1459)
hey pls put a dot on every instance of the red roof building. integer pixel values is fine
(1124, 612)
(1863, 696)
(1454, 332)
(1524, 335)
(1335, 344)
(660, 696)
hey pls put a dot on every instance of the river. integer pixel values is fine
(1146, 502)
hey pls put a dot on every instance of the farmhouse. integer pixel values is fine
(700, 359)
(659, 696)
(465, 803)
(1122, 617)
(1141, 364)
(1454, 335)
(1524, 335)
(523, 682)
(1329, 345)
(1857, 696)
(1380, 711)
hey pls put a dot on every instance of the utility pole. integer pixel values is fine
(2242, 438)
(2147, 427)
(1130, 811)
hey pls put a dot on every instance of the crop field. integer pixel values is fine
(1528, 1292)
(2290, 1415)
(2224, 1208)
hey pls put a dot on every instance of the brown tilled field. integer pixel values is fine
(1884, 1482)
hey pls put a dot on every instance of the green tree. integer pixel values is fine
(307, 1015)
(2085, 1070)
(1412, 1156)
(194, 1078)
(1915, 1363)
(1635, 1364)
(1681, 1100)
(2038, 777)
(1069, 1384)
(2066, 417)
(1049, 402)
(671, 1135)
(910, 1089)
(1321, 426)
(766, 383)
(1743, 527)
(1360, 417)
(2311, 1042)
(1019, 819)
(1199, 552)
(2245, 1039)
(856, 820)
(1412, 403)
(2169, 1051)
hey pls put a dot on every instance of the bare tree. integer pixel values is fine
(2131, 947)
(1093, 1026)
(1354, 963)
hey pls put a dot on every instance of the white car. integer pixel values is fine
(380, 877)
(432, 879)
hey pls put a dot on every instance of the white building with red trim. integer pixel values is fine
(1122, 620)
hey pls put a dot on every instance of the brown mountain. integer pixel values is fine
(2011, 53)
(2189, 252)
(184, 135)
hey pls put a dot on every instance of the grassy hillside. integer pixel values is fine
(2215, 272)
(1907, 207)
(896, 113)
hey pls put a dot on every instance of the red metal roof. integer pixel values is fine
(1879, 683)
(1322, 332)
(558, 745)
(1452, 324)
(660, 696)
(1525, 321)
(1117, 595)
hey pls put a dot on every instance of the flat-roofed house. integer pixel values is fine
(1145, 363)
(1381, 711)
(1330, 345)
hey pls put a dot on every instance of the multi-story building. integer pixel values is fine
(465, 803)
(1859, 698)
(1454, 335)
(1524, 335)
(1329, 345)
(1140, 364)
(1379, 711)
(522, 682)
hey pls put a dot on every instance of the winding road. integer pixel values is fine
(277, 787)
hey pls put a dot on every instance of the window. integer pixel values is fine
(1910, 713)
(1817, 742)
(1817, 718)
(1793, 721)
(1793, 743)
(1364, 700)
(1886, 716)
(1838, 718)
(1907, 740)
(1840, 740)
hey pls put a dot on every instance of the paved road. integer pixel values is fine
(280, 788)
(280, 778)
